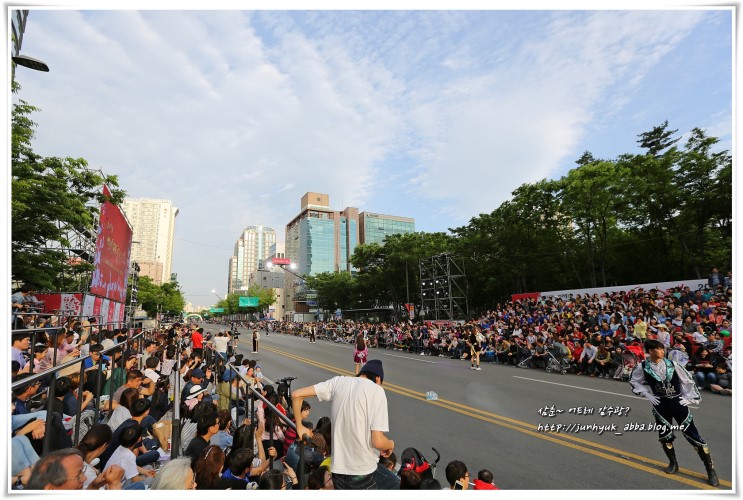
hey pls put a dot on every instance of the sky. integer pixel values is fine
(438, 115)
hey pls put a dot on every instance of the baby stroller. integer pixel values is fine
(557, 360)
(631, 356)
(412, 459)
(526, 357)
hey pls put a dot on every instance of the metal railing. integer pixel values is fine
(216, 361)
(213, 360)
(51, 375)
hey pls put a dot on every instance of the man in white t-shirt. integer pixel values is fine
(359, 420)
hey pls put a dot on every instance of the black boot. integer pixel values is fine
(703, 452)
(673, 465)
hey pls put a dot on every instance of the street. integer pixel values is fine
(532, 429)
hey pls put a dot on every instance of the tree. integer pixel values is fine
(657, 139)
(154, 299)
(51, 198)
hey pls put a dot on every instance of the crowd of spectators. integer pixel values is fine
(112, 427)
(589, 334)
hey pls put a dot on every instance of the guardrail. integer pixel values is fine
(50, 375)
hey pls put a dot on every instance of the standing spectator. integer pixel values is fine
(715, 278)
(197, 342)
(360, 419)
(256, 338)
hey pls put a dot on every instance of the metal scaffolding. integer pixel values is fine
(443, 287)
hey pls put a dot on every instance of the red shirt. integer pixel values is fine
(197, 340)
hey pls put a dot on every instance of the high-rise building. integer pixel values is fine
(251, 250)
(321, 239)
(153, 232)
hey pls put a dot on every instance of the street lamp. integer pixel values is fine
(215, 293)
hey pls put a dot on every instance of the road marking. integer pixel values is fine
(411, 359)
(632, 396)
(613, 454)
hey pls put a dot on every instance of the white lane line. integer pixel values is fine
(412, 359)
(586, 388)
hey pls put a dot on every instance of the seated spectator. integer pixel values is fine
(125, 458)
(151, 366)
(207, 425)
(122, 413)
(176, 474)
(484, 480)
(724, 383)
(586, 362)
(704, 369)
(430, 484)
(146, 448)
(320, 479)
(208, 468)
(161, 402)
(457, 475)
(603, 362)
(223, 438)
(41, 357)
(135, 379)
(19, 344)
(410, 480)
(64, 470)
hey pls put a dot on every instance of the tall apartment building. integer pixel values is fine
(321, 239)
(251, 250)
(153, 232)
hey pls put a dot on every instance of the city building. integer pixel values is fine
(251, 250)
(320, 239)
(153, 233)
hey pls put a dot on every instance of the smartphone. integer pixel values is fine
(458, 486)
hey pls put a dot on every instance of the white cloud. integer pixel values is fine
(235, 115)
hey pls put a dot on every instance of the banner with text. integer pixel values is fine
(112, 248)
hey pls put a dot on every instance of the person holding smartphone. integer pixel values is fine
(457, 475)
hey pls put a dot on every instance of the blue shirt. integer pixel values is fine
(221, 439)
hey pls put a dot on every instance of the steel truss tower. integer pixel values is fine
(443, 287)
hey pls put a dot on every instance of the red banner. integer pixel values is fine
(65, 304)
(111, 253)
(280, 262)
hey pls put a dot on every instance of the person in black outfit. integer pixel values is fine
(671, 389)
(207, 425)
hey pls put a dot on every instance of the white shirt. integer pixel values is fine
(359, 406)
(118, 416)
(220, 344)
(124, 458)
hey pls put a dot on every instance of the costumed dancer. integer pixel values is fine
(360, 353)
(671, 389)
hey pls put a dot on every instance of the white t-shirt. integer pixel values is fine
(124, 458)
(220, 344)
(358, 407)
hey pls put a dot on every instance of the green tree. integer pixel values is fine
(51, 198)
(159, 298)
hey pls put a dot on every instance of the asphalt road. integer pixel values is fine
(491, 419)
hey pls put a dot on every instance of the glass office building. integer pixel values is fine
(376, 227)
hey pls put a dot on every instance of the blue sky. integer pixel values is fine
(436, 115)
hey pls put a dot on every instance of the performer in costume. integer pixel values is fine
(474, 340)
(360, 352)
(671, 389)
